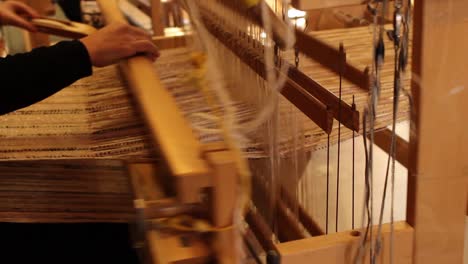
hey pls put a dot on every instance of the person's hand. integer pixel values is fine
(17, 14)
(118, 41)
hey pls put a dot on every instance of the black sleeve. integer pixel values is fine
(28, 78)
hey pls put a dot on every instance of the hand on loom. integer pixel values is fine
(119, 41)
(17, 14)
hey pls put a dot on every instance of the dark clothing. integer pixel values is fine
(71, 8)
(31, 77)
(66, 243)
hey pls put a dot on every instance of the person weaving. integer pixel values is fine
(31, 77)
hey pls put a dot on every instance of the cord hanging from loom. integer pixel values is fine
(370, 116)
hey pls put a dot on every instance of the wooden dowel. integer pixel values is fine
(261, 230)
(288, 224)
(289, 228)
(306, 220)
(253, 247)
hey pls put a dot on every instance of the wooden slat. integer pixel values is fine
(289, 226)
(383, 139)
(306, 220)
(261, 230)
(349, 117)
(169, 129)
(315, 110)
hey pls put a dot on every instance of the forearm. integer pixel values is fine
(31, 77)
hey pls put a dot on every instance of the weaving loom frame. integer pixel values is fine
(192, 167)
(427, 236)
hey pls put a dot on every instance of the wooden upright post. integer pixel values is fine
(157, 17)
(438, 161)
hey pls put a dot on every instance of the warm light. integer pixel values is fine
(298, 18)
(295, 14)
(300, 23)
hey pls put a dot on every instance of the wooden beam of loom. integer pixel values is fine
(302, 91)
(261, 230)
(290, 225)
(342, 247)
(320, 4)
(306, 220)
(169, 129)
(438, 136)
(315, 49)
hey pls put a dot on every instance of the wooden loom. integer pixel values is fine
(415, 244)
(434, 232)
